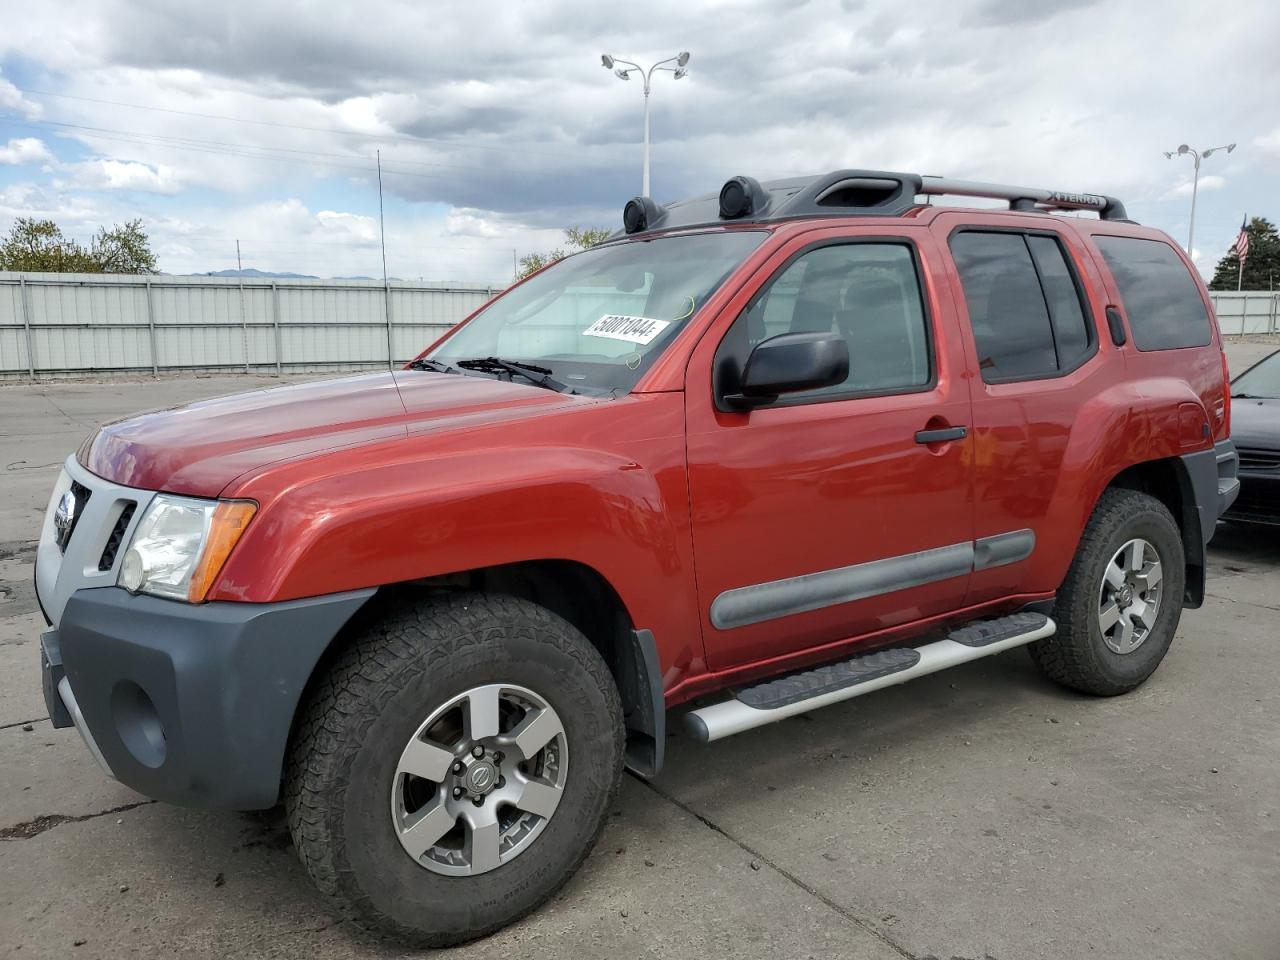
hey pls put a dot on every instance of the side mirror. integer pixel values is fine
(788, 363)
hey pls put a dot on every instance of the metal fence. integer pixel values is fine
(55, 324)
(58, 324)
(1250, 312)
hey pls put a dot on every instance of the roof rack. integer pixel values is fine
(876, 193)
(1025, 198)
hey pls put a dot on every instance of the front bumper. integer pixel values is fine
(191, 704)
(1259, 500)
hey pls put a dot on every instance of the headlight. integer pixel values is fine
(180, 545)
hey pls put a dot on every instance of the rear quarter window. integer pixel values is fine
(1159, 294)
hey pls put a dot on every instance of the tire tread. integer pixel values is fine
(404, 642)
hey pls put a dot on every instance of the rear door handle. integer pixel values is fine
(941, 436)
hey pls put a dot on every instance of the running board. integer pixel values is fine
(801, 692)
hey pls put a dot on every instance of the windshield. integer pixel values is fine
(597, 320)
(1261, 380)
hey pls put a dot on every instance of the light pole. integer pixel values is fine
(1183, 150)
(624, 72)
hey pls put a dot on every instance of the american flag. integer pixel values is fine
(1242, 241)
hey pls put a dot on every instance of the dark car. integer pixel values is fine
(1255, 426)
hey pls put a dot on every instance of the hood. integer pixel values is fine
(1255, 423)
(199, 448)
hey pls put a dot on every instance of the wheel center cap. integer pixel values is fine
(480, 777)
(1125, 596)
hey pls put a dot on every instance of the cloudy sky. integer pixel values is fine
(497, 124)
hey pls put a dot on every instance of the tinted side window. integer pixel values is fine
(868, 293)
(1161, 298)
(1006, 306)
(1070, 329)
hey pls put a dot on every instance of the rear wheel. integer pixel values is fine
(454, 767)
(1120, 604)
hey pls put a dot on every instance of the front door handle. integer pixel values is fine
(941, 436)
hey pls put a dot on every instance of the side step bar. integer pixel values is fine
(801, 692)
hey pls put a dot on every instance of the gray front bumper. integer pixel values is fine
(192, 704)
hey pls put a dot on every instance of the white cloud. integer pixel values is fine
(11, 98)
(496, 145)
(472, 223)
(1269, 143)
(23, 150)
(120, 175)
(349, 227)
(1209, 181)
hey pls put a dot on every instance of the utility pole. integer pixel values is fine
(386, 287)
(239, 265)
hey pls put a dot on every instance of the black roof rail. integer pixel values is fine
(874, 193)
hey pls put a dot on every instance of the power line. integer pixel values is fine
(291, 126)
(164, 139)
(218, 148)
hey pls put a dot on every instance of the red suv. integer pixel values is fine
(765, 449)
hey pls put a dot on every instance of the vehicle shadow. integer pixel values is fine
(1233, 543)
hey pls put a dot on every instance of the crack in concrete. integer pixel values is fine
(1251, 603)
(784, 872)
(33, 828)
(18, 723)
(17, 549)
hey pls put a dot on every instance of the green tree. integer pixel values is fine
(124, 248)
(576, 238)
(1261, 264)
(41, 246)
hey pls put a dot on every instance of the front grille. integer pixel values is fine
(1253, 458)
(116, 540)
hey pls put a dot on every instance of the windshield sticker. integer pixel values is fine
(615, 326)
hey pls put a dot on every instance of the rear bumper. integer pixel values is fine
(1214, 483)
(190, 704)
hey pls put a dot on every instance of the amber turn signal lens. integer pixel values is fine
(230, 519)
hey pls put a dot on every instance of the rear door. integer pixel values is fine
(1030, 301)
(821, 517)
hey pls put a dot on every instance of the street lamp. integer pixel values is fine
(622, 69)
(1184, 150)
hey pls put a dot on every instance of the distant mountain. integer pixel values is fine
(267, 274)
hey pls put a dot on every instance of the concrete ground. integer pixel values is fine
(981, 812)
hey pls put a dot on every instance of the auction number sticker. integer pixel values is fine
(615, 326)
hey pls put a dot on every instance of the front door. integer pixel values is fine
(831, 514)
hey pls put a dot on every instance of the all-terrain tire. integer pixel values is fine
(403, 664)
(1077, 656)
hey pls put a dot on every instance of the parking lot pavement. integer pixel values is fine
(978, 812)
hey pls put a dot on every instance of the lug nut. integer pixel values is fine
(457, 766)
(497, 757)
(502, 782)
(477, 751)
(478, 801)
(457, 792)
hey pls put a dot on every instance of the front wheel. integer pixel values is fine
(1120, 604)
(454, 767)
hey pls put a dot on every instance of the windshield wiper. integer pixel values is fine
(539, 376)
(424, 363)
